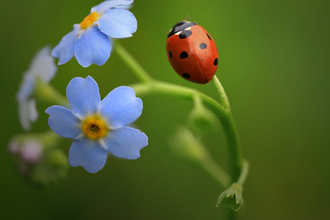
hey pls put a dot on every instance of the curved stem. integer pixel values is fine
(222, 111)
(229, 128)
(157, 87)
(223, 96)
(244, 173)
(224, 116)
(232, 136)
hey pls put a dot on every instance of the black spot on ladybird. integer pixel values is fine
(184, 34)
(208, 36)
(215, 62)
(203, 46)
(183, 55)
(186, 75)
(170, 54)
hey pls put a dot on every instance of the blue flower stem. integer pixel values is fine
(46, 92)
(137, 69)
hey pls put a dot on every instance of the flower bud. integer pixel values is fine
(232, 197)
(31, 151)
(201, 120)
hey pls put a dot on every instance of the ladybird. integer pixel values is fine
(192, 52)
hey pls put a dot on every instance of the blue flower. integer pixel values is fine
(90, 41)
(42, 67)
(96, 126)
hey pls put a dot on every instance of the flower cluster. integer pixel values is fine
(96, 127)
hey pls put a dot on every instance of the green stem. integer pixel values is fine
(223, 97)
(222, 111)
(216, 171)
(48, 93)
(244, 173)
(232, 215)
(229, 128)
(234, 149)
(139, 72)
(163, 88)
(198, 104)
(224, 116)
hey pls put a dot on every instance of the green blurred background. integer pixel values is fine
(274, 63)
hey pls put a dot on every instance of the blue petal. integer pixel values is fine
(27, 87)
(83, 95)
(63, 122)
(87, 153)
(126, 142)
(43, 65)
(117, 23)
(100, 8)
(32, 110)
(92, 46)
(120, 107)
(65, 49)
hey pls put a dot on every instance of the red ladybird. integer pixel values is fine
(192, 52)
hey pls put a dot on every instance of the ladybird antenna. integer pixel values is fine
(187, 18)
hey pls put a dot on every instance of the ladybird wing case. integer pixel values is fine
(206, 52)
(182, 59)
(193, 54)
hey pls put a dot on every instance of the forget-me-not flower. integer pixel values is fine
(90, 41)
(96, 126)
(42, 67)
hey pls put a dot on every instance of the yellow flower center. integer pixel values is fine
(94, 127)
(89, 20)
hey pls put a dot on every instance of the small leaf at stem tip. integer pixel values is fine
(231, 197)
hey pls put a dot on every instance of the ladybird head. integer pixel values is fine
(180, 26)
